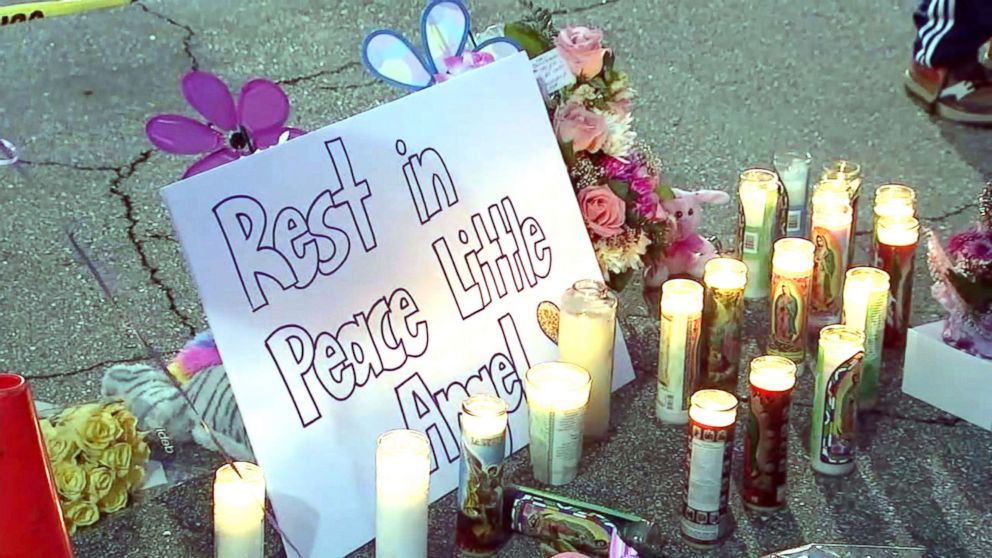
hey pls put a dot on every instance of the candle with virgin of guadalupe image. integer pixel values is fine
(770, 382)
(830, 231)
(835, 400)
(723, 318)
(848, 173)
(792, 269)
(895, 253)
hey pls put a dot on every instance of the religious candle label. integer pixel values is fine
(788, 317)
(835, 412)
(874, 329)
(898, 262)
(766, 449)
(678, 362)
(556, 443)
(708, 482)
(480, 494)
(372, 274)
(829, 266)
(722, 337)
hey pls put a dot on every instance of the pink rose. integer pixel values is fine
(603, 211)
(582, 49)
(585, 129)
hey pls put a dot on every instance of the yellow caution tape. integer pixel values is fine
(19, 13)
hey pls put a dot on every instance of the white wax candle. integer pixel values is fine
(678, 351)
(835, 400)
(557, 396)
(793, 169)
(586, 331)
(402, 473)
(758, 191)
(866, 297)
(239, 504)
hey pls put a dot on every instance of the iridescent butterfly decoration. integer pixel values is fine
(444, 32)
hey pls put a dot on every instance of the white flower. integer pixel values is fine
(582, 94)
(621, 252)
(620, 139)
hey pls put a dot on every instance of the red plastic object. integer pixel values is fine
(30, 517)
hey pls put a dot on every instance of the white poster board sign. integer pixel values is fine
(368, 275)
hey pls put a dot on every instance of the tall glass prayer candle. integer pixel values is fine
(830, 231)
(758, 191)
(705, 517)
(866, 295)
(723, 318)
(792, 270)
(678, 350)
(835, 400)
(793, 170)
(239, 511)
(586, 331)
(557, 396)
(849, 173)
(894, 200)
(480, 529)
(895, 253)
(771, 381)
(402, 481)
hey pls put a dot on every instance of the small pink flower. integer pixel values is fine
(602, 210)
(616, 169)
(585, 129)
(643, 185)
(647, 205)
(456, 65)
(582, 49)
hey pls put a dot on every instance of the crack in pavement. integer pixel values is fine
(580, 9)
(86, 369)
(124, 173)
(138, 245)
(187, 38)
(307, 77)
(949, 214)
(347, 86)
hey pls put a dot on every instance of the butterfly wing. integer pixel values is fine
(391, 58)
(444, 28)
(498, 47)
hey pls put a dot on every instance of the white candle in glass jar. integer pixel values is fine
(239, 511)
(402, 482)
(835, 400)
(793, 169)
(586, 333)
(758, 192)
(557, 397)
(678, 351)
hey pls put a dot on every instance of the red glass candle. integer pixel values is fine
(705, 511)
(766, 444)
(895, 254)
(30, 518)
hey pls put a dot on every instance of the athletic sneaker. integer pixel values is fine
(962, 94)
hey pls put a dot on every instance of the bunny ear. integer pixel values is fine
(392, 59)
(498, 47)
(444, 28)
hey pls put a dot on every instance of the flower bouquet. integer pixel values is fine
(962, 282)
(97, 457)
(616, 179)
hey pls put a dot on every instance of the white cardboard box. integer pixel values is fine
(947, 378)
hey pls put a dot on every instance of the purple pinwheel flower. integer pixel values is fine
(258, 121)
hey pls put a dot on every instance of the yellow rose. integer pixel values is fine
(61, 449)
(47, 429)
(101, 480)
(80, 513)
(117, 457)
(97, 432)
(115, 500)
(135, 477)
(141, 452)
(70, 479)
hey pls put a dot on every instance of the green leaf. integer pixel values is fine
(567, 153)
(620, 188)
(529, 38)
(664, 192)
(608, 61)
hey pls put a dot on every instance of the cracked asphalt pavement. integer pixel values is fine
(722, 84)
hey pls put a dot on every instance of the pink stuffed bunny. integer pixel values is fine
(688, 251)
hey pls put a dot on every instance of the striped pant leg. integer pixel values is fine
(949, 32)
